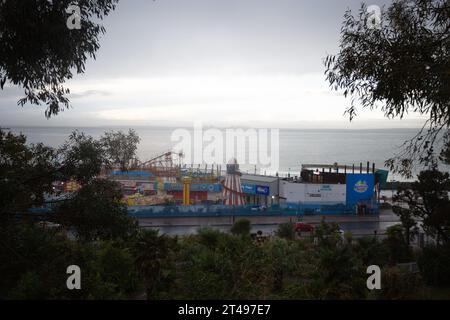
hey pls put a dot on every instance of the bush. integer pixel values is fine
(339, 274)
(399, 284)
(327, 234)
(370, 251)
(39, 269)
(209, 237)
(241, 227)
(95, 212)
(286, 231)
(434, 264)
(399, 251)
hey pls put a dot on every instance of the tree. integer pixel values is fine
(408, 221)
(401, 65)
(427, 199)
(121, 148)
(444, 156)
(82, 157)
(399, 250)
(434, 264)
(34, 261)
(339, 274)
(328, 234)
(241, 227)
(154, 261)
(286, 231)
(39, 52)
(26, 173)
(96, 212)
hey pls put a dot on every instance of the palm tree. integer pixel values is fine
(153, 254)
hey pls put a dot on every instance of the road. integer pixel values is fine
(358, 225)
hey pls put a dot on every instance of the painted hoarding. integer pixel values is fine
(255, 189)
(359, 187)
(209, 187)
(262, 190)
(313, 193)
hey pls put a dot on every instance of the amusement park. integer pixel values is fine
(164, 187)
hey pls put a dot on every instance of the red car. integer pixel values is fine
(301, 226)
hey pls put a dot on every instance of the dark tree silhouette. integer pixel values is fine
(401, 65)
(39, 52)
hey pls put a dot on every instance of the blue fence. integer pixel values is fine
(247, 210)
(288, 209)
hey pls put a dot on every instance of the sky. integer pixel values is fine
(222, 62)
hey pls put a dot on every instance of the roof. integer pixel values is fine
(259, 178)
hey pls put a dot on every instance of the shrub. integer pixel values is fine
(399, 284)
(399, 251)
(241, 227)
(286, 231)
(434, 264)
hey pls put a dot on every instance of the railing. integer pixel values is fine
(223, 210)
(288, 209)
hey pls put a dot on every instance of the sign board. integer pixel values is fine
(255, 189)
(209, 187)
(262, 190)
(313, 193)
(359, 187)
(325, 193)
(131, 173)
(248, 188)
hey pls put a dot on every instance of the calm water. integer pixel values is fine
(324, 146)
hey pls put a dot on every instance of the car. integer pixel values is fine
(302, 226)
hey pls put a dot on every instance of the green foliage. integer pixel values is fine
(121, 148)
(154, 260)
(241, 227)
(38, 51)
(427, 199)
(209, 237)
(348, 236)
(327, 234)
(209, 265)
(95, 212)
(108, 271)
(408, 222)
(339, 274)
(399, 284)
(286, 231)
(41, 257)
(371, 251)
(399, 67)
(26, 171)
(444, 156)
(399, 250)
(83, 157)
(434, 264)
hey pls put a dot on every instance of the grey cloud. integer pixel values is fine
(90, 93)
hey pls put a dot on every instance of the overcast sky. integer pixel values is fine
(172, 62)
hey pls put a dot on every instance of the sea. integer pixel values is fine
(294, 146)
